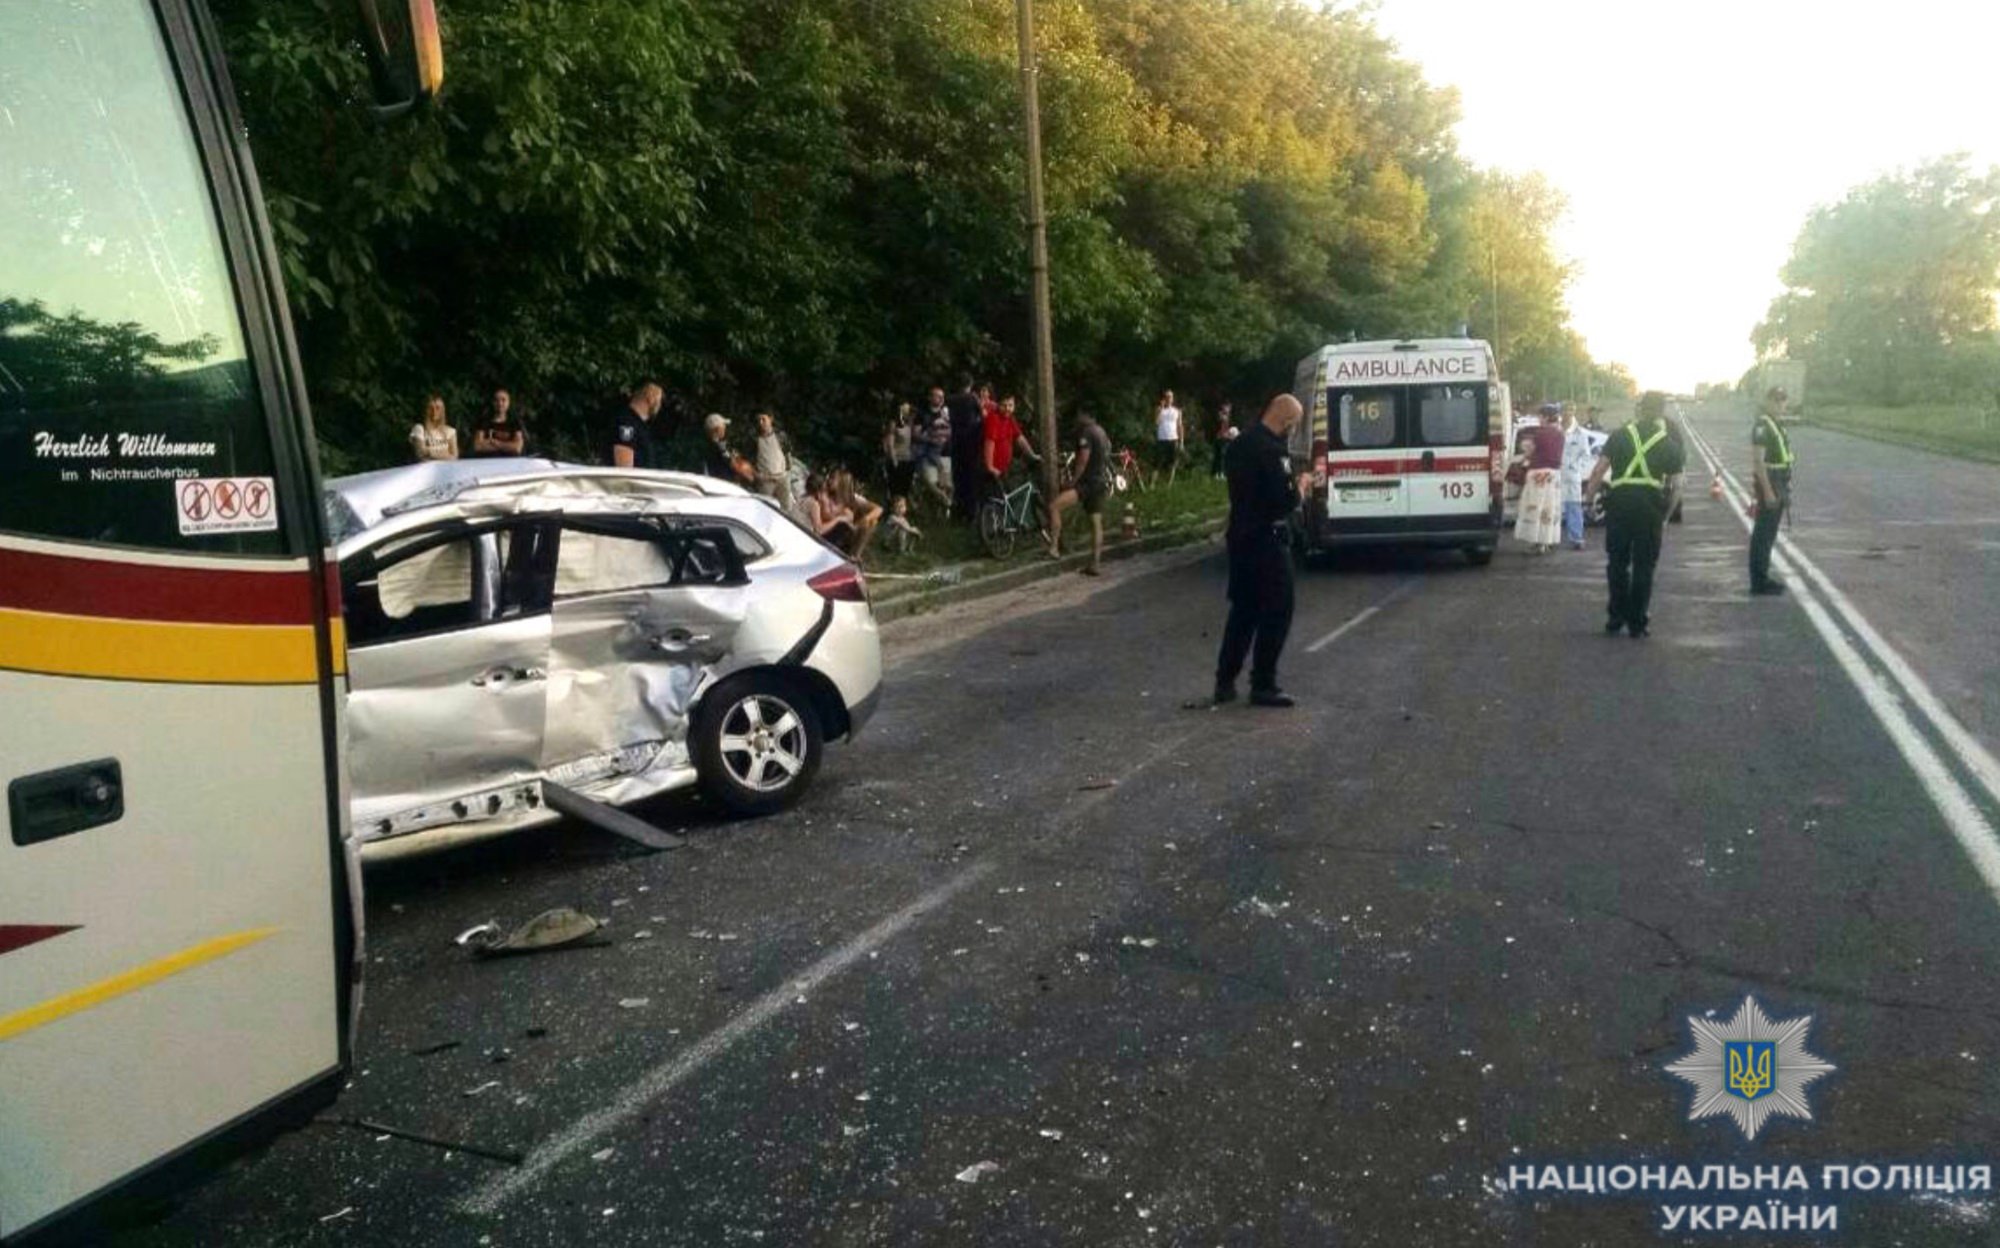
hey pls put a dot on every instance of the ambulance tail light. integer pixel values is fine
(1319, 465)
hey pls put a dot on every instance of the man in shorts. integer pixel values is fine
(1091, 485)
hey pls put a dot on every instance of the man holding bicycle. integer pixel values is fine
(1003, 436)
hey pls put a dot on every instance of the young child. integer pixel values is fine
(903, 535)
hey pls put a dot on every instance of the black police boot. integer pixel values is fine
(1273, 696)
(1225, 692)
(1614, 625)
(1769, 589)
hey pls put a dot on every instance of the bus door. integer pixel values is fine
(1365, 456)
(1448, 464)
(175, 943)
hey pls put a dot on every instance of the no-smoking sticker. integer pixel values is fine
(225, 505)
(194, 500)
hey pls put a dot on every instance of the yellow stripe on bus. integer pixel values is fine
(118, 985)
(164, 651)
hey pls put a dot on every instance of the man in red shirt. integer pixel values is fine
(1003, 434)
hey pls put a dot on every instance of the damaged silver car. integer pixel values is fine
(516, 623)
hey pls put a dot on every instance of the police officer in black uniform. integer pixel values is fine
(631, 444)
(1262, 494)
(1771, 473)
(1642, 463)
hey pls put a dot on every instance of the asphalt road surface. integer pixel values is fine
(1047, 958)
(1913, 538)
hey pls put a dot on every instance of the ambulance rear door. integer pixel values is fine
(1448, 465)
(1365, 457)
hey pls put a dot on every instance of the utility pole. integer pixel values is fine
(1493, 268)
(1038, 249)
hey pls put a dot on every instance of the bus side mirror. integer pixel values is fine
(405, 54)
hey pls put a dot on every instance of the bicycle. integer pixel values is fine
(1126, 469)
(1003, 517)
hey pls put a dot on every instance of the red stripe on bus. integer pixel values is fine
(20, 935)
(78, 585)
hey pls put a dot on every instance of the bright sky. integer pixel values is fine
(1693, 138)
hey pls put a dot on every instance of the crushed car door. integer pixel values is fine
(643, 610)
(448, 636)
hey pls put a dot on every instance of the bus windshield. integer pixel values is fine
(122, 361)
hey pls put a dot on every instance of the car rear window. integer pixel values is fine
(595, 563)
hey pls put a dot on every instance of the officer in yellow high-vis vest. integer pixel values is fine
(1641, 467)
(1771, 473)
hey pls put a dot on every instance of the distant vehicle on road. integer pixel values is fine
(1407, 441)
(618, 632)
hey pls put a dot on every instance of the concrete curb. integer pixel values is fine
(916, 601)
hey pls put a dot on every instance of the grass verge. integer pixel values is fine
(953, 551)
(1964, 432)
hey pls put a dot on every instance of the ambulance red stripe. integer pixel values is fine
(1391, 466)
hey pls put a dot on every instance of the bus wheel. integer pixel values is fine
(1479, 556)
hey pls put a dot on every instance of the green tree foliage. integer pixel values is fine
(815, 205)
(1890, 293)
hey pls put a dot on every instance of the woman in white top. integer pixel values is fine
(434, 437)
(1167, 433)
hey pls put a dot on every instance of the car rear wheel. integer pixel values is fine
(757, 744)
(1479, 556)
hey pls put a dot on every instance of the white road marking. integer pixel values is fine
(635, 1097)
(1366, 614)
(1342, 631)
(1962, 814)
(1976, 758)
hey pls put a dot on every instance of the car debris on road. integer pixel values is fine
(561, 928)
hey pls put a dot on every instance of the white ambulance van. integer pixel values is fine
(1407, 442)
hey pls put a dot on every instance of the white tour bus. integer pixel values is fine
(1407, 442)
(179, 920)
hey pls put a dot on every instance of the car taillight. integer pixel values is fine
(841, 584)
(1319, 463)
